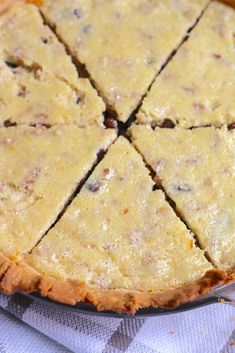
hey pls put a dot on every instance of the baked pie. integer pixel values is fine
(121, 217)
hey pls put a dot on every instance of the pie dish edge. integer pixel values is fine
(16, 275)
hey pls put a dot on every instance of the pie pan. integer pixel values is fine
(222, 294)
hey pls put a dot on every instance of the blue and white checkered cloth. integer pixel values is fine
(29, 326)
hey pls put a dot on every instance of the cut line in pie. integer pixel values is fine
(39, 170)
(196, 169)
(38, 82)
(123, 44)
(197, 86)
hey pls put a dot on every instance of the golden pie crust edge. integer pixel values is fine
(17, 276)
(5, 4)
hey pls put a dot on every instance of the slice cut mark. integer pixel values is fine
(40, 169)
(135, 39)
(119, 235)
(51, 89)
(196, 169)
(35, 96)
(196, 87)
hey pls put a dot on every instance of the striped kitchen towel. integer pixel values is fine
(28, 326)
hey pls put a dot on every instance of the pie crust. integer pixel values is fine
(16, 275)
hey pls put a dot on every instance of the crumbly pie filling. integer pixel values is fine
(30, 72)
(110, 249)
(197, 86)
(196, 169)
(135, 39)
(31, 195)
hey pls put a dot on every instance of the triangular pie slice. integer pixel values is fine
(196, 168)
(122, 44)
(38, 81)
(39, 170)
(197, 86)
(119, 244)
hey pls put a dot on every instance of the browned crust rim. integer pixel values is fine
(16, 275)
(5, 4)
(228, 2)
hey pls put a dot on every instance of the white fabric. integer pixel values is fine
(209, 329)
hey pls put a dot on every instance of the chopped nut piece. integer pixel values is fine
(78, 13)
(94, 187)
(183, 187)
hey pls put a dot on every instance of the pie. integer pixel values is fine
(93, 206)
(200, 94)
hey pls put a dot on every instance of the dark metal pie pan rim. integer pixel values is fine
(217, 296)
